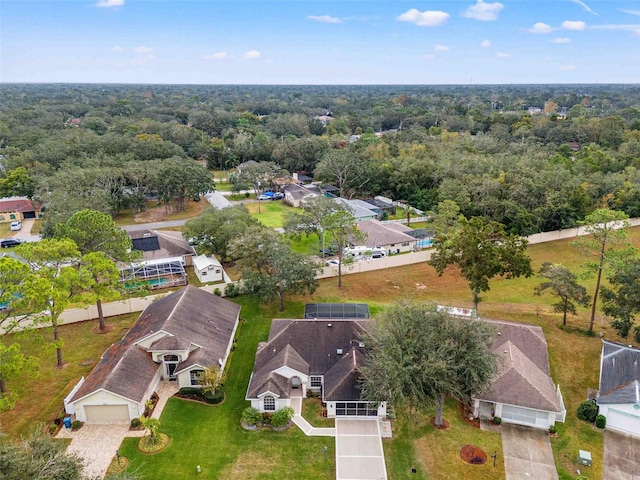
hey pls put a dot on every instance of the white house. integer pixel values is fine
(522, 391)
(323, 356)
(208, 269)
(619, 394)
(174, 339)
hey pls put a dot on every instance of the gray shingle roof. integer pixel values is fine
(619, 374)
(310, 347)
(190, 315)
(341, 381)
(380, 234)
(523, 377)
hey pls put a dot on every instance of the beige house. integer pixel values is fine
(14, 209)
(174, 339)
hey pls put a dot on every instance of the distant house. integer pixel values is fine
(380, 206)
(18, 208)
(522, 391)
(619, 394)
(321, 356)
(164, 256)
(390, 236)
(359, 212)
(174, 339)
(295, 195)
(208, 269)
(302, 178)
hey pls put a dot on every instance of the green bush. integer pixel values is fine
(251, 416)
(282, 417)
(231, 290)
(497, 420)
(53, 428)
(135, 423)
(76, 424)
(553, 429)
(190, 391)
(587, 411)
(601, 421)
(266, 418)
(217, 292)
(215, 397)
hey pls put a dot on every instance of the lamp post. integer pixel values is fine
(118, 456)
(494, 456)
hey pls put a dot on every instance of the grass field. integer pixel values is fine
(233, 453)
(271, 212)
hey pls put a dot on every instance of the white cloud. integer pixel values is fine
(484, 11)
(568, 68)
(485, 44)
(428, 18)
(561, 40)
(585, 6)
(441, 48)
(110, 3)
(574, 25)
(251, 54)
(216, 56)
(324, 19)
(541, 28)
(638, 32)
(631, 12)
(143, 50)
(117, 49)
(503, 55)
(429, 56)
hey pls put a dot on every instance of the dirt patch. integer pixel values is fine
(444, 425)
(473, 455)
(107, 328)
(151, 215)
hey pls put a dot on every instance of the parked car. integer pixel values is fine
(278, 196)
(15, 226)
(328, 251)
(332, 263)
(266, 196)
(9, 242)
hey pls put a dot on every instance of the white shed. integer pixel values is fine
(208, 269)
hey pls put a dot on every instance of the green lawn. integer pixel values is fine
(312, 412)
(211, 436)
(271, 212)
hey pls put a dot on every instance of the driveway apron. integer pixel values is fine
(359, 454)
(527, 453)
(621, 456)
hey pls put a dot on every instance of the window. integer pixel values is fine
(171, 358)
(405, 244)
(269, 404)
(316, 382)
(196, 375)
(204, 273)
(360, 409)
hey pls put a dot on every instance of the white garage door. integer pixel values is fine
(623, 421)
(107, 413)
(525, 416)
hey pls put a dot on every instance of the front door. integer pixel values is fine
(171, 363)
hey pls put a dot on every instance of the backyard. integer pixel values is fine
(211, 436)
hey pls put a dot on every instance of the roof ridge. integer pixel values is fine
(527, 379)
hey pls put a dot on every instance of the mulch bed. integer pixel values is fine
(473, 455)
(151, 450)
(198, 399)
(444, 425)
(467, 413)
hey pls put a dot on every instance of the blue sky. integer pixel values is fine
(316, 42)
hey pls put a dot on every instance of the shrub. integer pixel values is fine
(266, 418)
(214, 397)
(217, 292)
(553, 429)
(76, 424)
(231, 290)
(282, 417)
(53, 428)
(587, 411)
(251, 416)
(497, 420)
(601, 421)
(135, 423)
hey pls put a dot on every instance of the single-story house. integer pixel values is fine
(174, 339)
(359, 212)
(619, 395)
(381, 206)
(301, 178)
(295, 195)
(522, 390)
(390, 236)
(208, 269)
(18, 208)
(164, 256)
(322, 356)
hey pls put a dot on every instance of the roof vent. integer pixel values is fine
(339, 351)
(361, 344)
(220, 362)
(329, 325)
(506, 351)
(499, 333)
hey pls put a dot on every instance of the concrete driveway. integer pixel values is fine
(527, 453)
(359, 454)
(621, 456)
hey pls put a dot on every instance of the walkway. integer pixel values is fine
(308, 429)
(359, 454)
(527, 453)
(621, 457)
(97, 444)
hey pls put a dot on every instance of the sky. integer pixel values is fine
(320, 42)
